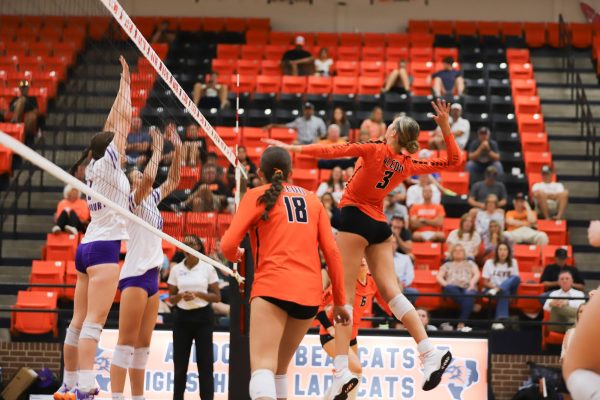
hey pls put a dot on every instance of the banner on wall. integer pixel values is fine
(391, 368)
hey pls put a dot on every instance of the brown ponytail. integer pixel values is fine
(276, 165)
(96, 149)
(84, 156)
(408, 130)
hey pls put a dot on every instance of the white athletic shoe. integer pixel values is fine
(497, 326)
(343, 383)
(56, 229)
(434, 365)
(71, 229)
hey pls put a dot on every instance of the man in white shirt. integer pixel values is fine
(405, 271)
(414, 194)
(551, 198)
(460, 128)
(564, 310)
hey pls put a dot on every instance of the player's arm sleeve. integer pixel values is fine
(322, 317)
(245, 216)
(340, 150)
(332, 257)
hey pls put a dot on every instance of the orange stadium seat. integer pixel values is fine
(235, 24)
(523, 87)
(306, 178)
(213, 24)
(229, 134)
(426, 282)
(397, 40)
(548, 336)
(248, 67)
(528, 256)
(555, 229)
(456, 181)
(47, 272)
(421, 39)
(16, 131)
(553, 31)
(423, 26)
(228, 51)
(535, 34)
(395, 54)
(548, 254)
(439, 53)
(465, 28)
(271, 67)
(519, 56)
(529, 286)
(254, 153)
(275, 52)
(304, 162)
(346, 68)
(61, 246)
(247, 83)
(252, 137)
(252, 52)
(34, 323)
(348, 53)
(450, 224)
(374, 39)
(70, 279)
(511, 28)
(421, 69)
(420, 54)
(223, 67)
(372, 53)
(520, 71)
(369, 85)
(173, 223)
(268, 84)
(442, 28)
(168, 249)
(263, 24)
(488, 28)
(189, 177)
(293, 84)
(371, 69)
(350, 39)
(257, 36)
(421, 86)
(223, 222)
(581, 35)
(344, 85)
(530, 123)
(428, 255)
(527, 105)
(203, 224)
(286, 135)
(326, 39)
(281, 38)
(534, 161)
(534, 142)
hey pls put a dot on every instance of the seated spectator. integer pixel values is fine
(72, 213)
(162, 33)
(168, 148)
(210, 94)
(501, 276)
(333, 136)
(466, 236)
(482, 189)
(570, 332)
(483, 152)
(551, 198)
(520, 224)
(334, 185)
(448, 81)
(246, 162)
(405, 271)
(457, 277)
(297, 61)
(392, 208)
(402, 235)
(397, 80)
(551, 272)
(426, 219)
(399, 193)
(194, 147)
(323, 63)
(338, 118)
(331, 206)
(492, 237)
(491, 212)
(309, 127)
(414, 194)
(564, 311)
(209, 194)
(364, 136)
(25, 110)
(139, 144)
(424, 317)
(460, 127)
(375, 124)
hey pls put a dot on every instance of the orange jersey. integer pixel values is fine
(285, 247)
(379, 170)
(427, 211)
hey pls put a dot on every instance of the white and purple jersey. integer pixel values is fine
(106, 177)
(144, 249)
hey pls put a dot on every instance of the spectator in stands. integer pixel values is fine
(448, 81)
(323, 63)
(168, 148)
(551, 273)
(405, 271)
(210, 194)
(457, 277)
(424, 316)
(338, 117)
(364, 136)
(491, 212)
(331, 206)
(426, 219)
(460, 127)
(466, 236)
(520, 224)
(490, 185)
(297, 61)
(375, 124)
(25, 110)
(72, 213)
(194, 147)
(162, 33)
(551, 197)
(391, 208)
(483, 152)
(414, 194)
(501, 276)
(334, 185)
(309, 127)
(570, 332)
(139, 144)
(399, 193)
(397, 80)
(246, 162)
(333, 135)
(492, 237)
(403, 235)
(210, 94)
(564, 311)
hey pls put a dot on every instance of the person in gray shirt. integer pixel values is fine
(309, 127)
(481, 190)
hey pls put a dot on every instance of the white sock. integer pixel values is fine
(584, 385)
(425, 347)
(340, 363)
(87, 380)
(118, 396)
(70, 378)
(138, 398)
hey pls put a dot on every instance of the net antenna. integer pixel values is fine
(46, 165)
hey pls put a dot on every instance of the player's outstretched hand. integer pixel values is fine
(174, 138)
(125, 66)
(442, 111)
(341, 315)
(276, 143)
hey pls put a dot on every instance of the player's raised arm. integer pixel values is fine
(119, 118)
(175, 169)
(151, 169)
(328, 151)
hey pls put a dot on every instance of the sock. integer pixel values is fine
(70, 378)
(340, 363)
(138, 398)
(118, 396)
(87, 380)
(425, 346)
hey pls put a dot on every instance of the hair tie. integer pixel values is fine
(277, 171)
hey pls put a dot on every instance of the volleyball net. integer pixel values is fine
(66, 70)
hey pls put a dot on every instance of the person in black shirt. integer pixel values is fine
(194, 146)
(246, 163)
(483, 152)
(398, 226)
(209, 194)
(448, 81)
(25, 109)
(551, 272)
(297, 61)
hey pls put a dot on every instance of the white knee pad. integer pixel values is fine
(91, 331)
(262, 384)
(72, 336)
(281, 386)
(400, 306)
(140, 358)
(584, 385)
(122, 356)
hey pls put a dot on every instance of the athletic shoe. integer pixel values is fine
(64, 393)
(343, 383)
(493, 291)
(86, 395)
(56, 229)
(434, 366)
(71, 229)
(497, 326)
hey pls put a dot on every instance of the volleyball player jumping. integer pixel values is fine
(287, 225)
(364, 232)
(97, 256)
(140, 273)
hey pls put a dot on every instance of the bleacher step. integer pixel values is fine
(583, 212)
(31, 249)
(563, 128)
(6, 300)
(564, 92)
(573, 147)
(550, 61)
(561, 77)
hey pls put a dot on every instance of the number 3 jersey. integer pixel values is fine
(379, 170)
(285, 247)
